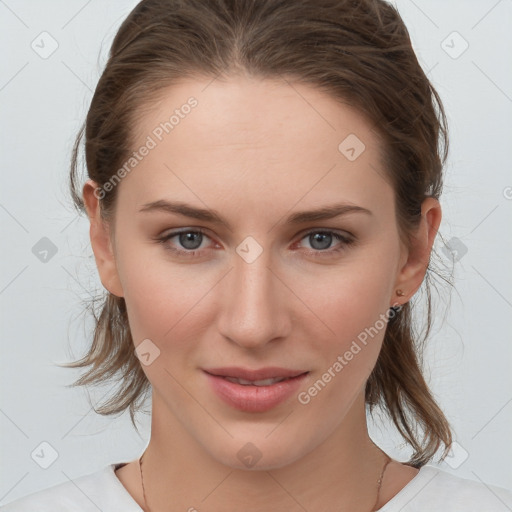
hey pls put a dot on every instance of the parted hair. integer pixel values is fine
(357, 51)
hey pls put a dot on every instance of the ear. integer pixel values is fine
(414, 262)
(100, 240)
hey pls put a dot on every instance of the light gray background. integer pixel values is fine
(43, 103)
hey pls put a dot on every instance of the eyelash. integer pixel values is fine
(345, 242)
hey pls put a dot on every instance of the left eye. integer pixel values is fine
(325, 238)
(191, 241)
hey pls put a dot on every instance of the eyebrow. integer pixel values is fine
(206, 215)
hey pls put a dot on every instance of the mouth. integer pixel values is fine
(260, 377)
(255, 390)
(263, 382)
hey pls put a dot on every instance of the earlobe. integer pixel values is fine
(99, 233)
(413, 271)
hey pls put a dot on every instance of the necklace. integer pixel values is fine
(379, 483)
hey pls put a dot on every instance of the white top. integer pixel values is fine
(430, 490)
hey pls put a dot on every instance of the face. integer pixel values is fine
(256, 289)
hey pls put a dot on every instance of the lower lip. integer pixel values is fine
(254, 398)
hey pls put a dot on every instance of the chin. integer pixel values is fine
(260, 454)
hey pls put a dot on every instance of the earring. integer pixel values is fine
(396, 308)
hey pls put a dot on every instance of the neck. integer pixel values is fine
(340, 474)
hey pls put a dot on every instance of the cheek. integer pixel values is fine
(164, 300)
(353, 306)
(358, 322)
(153, 292)
(347, 357)
(351, 299)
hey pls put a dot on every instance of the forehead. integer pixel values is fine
(276, 139)
(248, 112)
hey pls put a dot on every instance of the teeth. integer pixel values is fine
(264, 382)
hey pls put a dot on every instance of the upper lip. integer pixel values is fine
(260, 374)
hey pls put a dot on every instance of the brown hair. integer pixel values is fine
(357, 51)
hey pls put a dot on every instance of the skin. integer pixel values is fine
(256, 151)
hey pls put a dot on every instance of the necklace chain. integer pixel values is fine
(379, 483)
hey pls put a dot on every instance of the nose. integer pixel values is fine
(254, 303)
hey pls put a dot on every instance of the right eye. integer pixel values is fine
(189, 239)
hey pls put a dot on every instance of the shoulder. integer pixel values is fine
(435, 489)
(100, 490)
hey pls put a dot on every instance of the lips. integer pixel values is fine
(254, 391)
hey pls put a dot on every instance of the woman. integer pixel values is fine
(263, 193)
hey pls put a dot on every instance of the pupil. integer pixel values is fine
(326, 240)
(188, 238)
